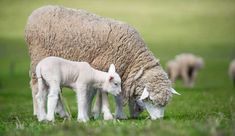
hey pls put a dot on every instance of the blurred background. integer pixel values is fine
(170, 27)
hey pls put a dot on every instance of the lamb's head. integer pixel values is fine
(155, 92)
(112, 83)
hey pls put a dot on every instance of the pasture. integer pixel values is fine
(170, 27)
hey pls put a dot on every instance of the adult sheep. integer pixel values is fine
(82, 36)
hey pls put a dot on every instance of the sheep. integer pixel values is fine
(184, 66)
(231, 71)
(80, 35)
(55, 72)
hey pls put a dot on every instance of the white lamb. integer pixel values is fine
(53, 73)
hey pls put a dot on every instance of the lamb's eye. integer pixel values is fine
(116, 84)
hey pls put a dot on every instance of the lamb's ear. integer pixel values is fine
(112, 69)
(110, 78)
(145, 94)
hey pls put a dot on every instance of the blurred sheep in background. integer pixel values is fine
(184, 66)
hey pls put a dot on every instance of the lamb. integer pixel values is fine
(78, 35)
(231, 71)
(184, 66)
(55, 72)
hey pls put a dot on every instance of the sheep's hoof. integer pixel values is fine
(121, 116)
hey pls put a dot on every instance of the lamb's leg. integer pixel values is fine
(41, 99)
(105, 107)
(34, 87)
(98, 105)
(60, 109)
(119, 107)
(82, 103)
(52, 100)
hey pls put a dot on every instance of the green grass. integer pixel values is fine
(170, 27)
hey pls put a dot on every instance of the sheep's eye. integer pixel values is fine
(116, 84)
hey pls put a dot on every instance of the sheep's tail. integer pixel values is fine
(174, 91)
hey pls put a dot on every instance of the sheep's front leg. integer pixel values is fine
(173, 76)
(119, 107)
(82, 103)
(105, 107)
(52, 101)
(134, 108)
(98, 105)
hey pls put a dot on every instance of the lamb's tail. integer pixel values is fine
(41, 85)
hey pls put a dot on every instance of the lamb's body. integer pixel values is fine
(54, 73)
(184, 66)
(79, 35)
(232, 71)
(64, 72)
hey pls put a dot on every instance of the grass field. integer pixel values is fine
(169, 27)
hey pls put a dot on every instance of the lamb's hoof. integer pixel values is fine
(50, 119)
(82, 119)
(108, 117)
(41, 118)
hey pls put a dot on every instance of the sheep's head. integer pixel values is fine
(155, 92)
(112, 83)
(199, 63)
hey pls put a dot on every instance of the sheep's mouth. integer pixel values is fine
(154, 111)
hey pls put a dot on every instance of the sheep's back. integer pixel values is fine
(80, 36)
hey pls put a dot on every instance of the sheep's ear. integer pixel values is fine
(145, 94)
(112, 68)
(174, 91)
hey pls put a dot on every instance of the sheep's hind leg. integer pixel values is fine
(34, 87)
